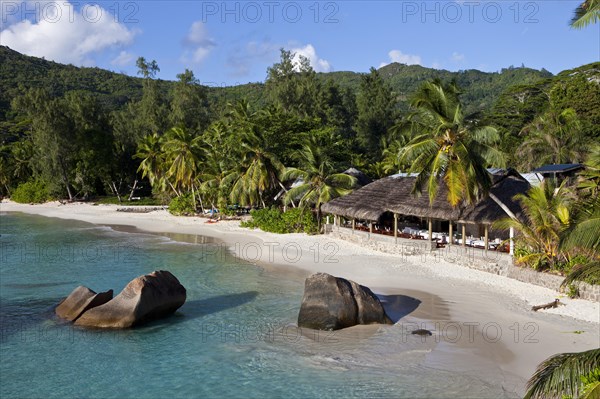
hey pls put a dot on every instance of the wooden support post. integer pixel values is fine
(353, 225)
(395, 228)
(370, 227)
(464, 235)
(451, 238)
(512, 242)
(486, 240)
(430, 225)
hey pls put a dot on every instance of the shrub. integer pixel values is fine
(33, 191)
(295, 220)
(573, 291)
(183, 205)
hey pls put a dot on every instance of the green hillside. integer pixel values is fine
(18, 72)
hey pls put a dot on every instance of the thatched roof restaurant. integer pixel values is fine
(394, 194)
(376, 202)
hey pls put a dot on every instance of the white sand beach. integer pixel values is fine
(477, 318)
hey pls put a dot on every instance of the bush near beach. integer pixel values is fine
(33, 191)
(273, 220)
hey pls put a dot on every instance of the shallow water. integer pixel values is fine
(234, 337)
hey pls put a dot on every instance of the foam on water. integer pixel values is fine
(234, 337)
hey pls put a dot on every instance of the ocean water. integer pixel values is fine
(234, 337)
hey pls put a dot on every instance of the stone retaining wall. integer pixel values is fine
(490, 261)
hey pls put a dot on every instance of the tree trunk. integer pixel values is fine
(194, 198)
(201, 204)
(113, 186)
(135, 182)
(319, 218)
(285, 190)
(65, 179)
(177, 193)
(261, 199)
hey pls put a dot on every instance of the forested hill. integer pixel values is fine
(18, 72)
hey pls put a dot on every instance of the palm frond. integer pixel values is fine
(588, 272)
(560, 375)
(585, 14)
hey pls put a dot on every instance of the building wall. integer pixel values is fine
(491, 262)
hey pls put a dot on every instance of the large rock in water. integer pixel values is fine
(332, 303)
(145, 298)
(79, 301)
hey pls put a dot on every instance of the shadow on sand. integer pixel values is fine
(398, 306)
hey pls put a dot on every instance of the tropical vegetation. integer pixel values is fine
(446, 146)
(80, 133)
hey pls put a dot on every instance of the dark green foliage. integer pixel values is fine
(273, 220)
(33, 191)
(140, 202)
(79, 128)
(182, 206)
(189, 104)
(19, 72)
(376, 114)
(517, 106)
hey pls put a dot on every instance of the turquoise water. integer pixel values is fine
(234, 337)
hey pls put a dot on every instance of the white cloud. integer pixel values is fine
(399, 56)
(124, 58)
(436, 65)
(308, 51)
(198, 44)
(62, 33)
(242, 58)
(457, 57)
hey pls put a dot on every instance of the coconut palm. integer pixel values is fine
(547, 214)
(181, 151)
(318, 182)
(586, 14)
(151, 154)
(259, 169)
(445, 147)
(560, 376)
(553, 137)
(583, 235)
(213, 178)
(589, 179)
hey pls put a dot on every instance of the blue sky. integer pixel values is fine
(233, 42)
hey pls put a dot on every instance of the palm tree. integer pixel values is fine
(181, 150)
(152, 165)
(589, 179)
(259, 169)
(547, 214)
(560, 376)
(318, 182)
(444, 146)
(587, 13)
(553, 137)
(584, 236)
(213, 178)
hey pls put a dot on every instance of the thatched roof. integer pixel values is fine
(504, 190)
(366, 203)
(394, 194)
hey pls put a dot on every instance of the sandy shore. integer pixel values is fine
(478, 319)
